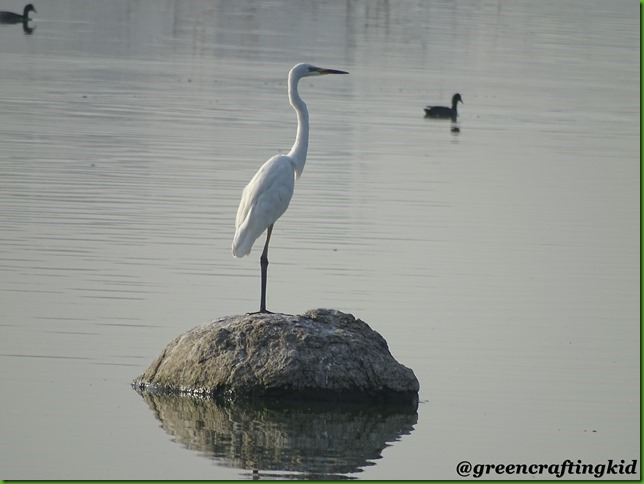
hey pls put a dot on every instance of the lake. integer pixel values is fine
(499, 256)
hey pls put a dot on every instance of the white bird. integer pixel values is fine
(267, 195)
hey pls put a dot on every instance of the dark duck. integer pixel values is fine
(443, 112)
(16, 18)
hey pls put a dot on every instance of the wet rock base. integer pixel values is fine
(323, 355)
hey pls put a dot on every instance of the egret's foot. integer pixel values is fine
(261, 311)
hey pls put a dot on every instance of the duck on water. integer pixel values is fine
(16, 18)
(443, 112)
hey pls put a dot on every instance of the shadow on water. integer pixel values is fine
(283, 440)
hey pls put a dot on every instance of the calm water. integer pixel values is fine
(501, 263)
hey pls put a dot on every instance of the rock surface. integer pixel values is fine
(322, 355)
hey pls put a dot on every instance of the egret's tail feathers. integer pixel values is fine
(244, 240)
(241, 248)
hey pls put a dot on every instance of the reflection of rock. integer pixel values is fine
(319, 440)
(321, 355)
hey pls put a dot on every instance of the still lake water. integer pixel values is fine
(501, 263)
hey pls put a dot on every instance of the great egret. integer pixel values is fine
(444, 112)
(15, 18)
(267, 195)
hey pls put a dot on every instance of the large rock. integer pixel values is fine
(321, 355)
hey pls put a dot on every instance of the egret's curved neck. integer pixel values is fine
(301, 145)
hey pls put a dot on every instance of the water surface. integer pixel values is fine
(501, 263)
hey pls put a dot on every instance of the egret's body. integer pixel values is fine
(15, 18)
(268, 194)
(443, 112)
(264, 200)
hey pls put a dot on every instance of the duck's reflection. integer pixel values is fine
(292, 440)
(26, 28)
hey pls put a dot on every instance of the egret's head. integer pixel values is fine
(29, 8)
(306, 70)
(456, 98)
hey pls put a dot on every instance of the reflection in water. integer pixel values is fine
(25, 25)
(312, 440)
(454, 125)
(26, 28)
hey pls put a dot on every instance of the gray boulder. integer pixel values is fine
(322, 355)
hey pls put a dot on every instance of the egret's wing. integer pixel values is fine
(264, 200)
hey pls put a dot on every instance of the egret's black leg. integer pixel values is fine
(263, 263)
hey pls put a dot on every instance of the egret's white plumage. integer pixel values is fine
(264, 200)
(267, 195)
